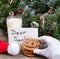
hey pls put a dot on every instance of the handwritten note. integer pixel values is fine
(18, 35)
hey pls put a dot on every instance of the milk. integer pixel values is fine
(14, 22)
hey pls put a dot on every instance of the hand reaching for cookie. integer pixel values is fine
(53, 49)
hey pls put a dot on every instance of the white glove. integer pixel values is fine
(53, 49)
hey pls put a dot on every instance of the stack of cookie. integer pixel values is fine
(29, 45)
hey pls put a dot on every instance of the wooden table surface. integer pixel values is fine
(20, 56)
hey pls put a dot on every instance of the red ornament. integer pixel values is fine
(3, 47)
(48, 35)
(20, 11)
(16, 14)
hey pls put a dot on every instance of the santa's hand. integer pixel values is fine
(53, 49)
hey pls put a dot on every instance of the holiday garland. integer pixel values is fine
(31, 11)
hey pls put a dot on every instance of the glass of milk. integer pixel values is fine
(14, 22)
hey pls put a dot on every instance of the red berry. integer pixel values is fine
(20, 11)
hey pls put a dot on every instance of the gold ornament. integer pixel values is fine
(50, 11)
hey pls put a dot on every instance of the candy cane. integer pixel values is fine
(11, 1)
(11, 14)
(42, 19)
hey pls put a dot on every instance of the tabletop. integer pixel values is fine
(19, 56)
